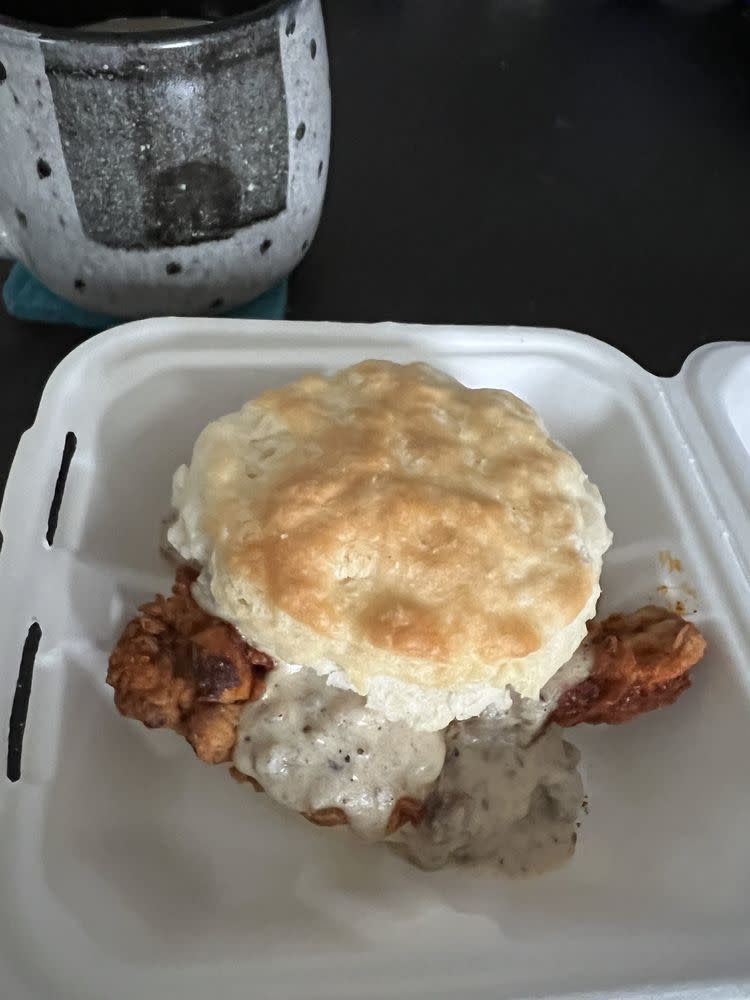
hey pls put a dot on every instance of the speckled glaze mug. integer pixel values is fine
(163, 171)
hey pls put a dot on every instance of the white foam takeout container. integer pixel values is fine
(129, 869)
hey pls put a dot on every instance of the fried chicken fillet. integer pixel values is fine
(179, 667)
(641, 662)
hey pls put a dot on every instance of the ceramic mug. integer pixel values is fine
(177, 170)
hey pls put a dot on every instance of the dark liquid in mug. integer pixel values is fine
(71, 16)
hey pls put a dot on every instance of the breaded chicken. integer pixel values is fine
(641, 662)
(179, 667)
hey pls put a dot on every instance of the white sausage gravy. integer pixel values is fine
(499, 802)
(500, 789)
(312, 746)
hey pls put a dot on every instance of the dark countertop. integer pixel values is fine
(580, 164)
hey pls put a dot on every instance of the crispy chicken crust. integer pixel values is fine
(176, 666)
(179, 667)
(641, 662)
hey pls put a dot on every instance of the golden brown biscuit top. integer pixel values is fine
(397, 523)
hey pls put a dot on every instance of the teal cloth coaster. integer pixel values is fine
(28, 299)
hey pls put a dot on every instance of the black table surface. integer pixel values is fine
(581, 164)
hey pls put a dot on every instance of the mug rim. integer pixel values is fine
(158, 38)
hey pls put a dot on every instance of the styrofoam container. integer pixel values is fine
(129, 869)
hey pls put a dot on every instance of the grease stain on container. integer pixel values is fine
(675, 592)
